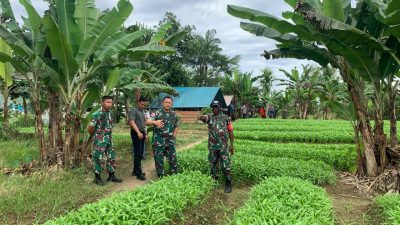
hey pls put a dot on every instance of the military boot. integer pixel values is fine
(113, 178)
(228, 186)
(98, 180)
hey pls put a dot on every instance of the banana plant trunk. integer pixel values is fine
(126, 109)
(363, 121)
(67, 138)
(5, 93)
(380, 140)
(393, 118)
(360, 155)
(76, 148)
(40, 131)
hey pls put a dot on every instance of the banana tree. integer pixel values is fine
(6, 80)
(327, 33)
(67, 49)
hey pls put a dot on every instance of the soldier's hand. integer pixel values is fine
(159, 123)
(140, 135)
(231, 149)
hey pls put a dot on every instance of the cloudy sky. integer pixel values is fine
(205, 15)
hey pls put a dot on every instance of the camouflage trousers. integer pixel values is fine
(220, 158)
(170, 153)
(101, 158)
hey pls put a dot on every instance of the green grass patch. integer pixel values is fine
(16, 152)
(286, 200)
(253, 169)
(43, 196)
(389, 205)
(157, 203)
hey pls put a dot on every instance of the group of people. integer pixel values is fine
(165, 130)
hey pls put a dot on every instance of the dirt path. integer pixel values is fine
(130, 182)
(349, 206)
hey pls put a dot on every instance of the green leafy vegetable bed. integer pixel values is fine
(390, 206)
(157, 203)
(286, 201)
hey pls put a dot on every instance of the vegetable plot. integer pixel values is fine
(157, 203)
(286, 201)
(390, 206)
(253, 168)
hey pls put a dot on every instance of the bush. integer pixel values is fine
(253, 169)
(390, 206)
(7, 132)
(285, 200)
(21, 121)
(157, 203)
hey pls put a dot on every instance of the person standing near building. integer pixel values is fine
(164, 137)
(219, 128)
(103, 152)
(137, 122)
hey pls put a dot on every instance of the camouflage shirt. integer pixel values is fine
(218, 131)
(102, 123)
(165, 136)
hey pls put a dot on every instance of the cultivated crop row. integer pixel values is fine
(157, 203)
(390, 207)
(286, 201)
(254, 168)
(297, 136)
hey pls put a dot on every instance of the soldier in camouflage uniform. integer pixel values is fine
(164, 138)
(219, 126)
(103, 153)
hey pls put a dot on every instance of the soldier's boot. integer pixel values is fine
(98, 180)
(228, 186)
(113, 178)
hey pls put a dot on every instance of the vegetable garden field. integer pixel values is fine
(287, 180)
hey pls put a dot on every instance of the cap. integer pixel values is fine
(215, 103)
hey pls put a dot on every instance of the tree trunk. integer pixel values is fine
(393, 119)
(67, 144)
(40, 131)
(360, 155)
(76, 148)
(55, 129)
(5, 93)
(363, 120)
(380, 140)
(25, 108)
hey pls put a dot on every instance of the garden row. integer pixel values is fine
(339, 156)
(156, 203)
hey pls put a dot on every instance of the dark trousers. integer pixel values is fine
(137, 152)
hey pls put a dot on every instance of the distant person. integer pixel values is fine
(285, 113)
(262, 112)
(219, 129)
(103, 152)
(164, 138)
(244, 111)
(271, 112)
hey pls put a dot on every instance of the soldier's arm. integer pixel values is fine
(231, 137)
(93, 124)
(203, 118)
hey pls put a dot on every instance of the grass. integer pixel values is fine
(44, 195)
(37, 198)
(389, 205)
(17, 152)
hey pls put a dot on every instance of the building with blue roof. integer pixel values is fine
(191, 100)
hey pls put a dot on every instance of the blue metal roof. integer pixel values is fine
(192, 97)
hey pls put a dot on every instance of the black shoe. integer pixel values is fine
(134, 174)
(141, 177)
(113, 178)
(228, 186)
(98, 180)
